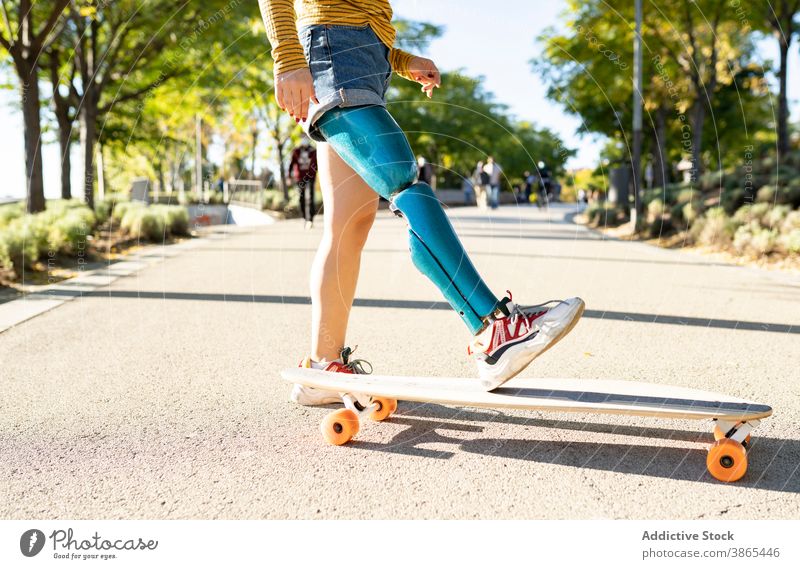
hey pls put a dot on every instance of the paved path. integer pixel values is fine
(158, 396)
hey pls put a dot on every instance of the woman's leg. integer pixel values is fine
(349, 210)
(372, 143)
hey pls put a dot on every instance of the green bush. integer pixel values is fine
(176, 218)
(691, 211)
(751, 212)
(103, 209)
(791, 222)
(655, 210)
(752, 239)
(676, 215)
(710, 181)
(789, 242)
(154, 223)
(9, 212)
(121, 209)
(775, 216)
(714, 229)
(143, 223)
(293, 206)
(732, 200)
(60, 229)
(19, 247)
(686, 196)
(67, 232)
(276, 202)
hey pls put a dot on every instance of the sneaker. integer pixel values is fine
(519, 335)
(313, 396)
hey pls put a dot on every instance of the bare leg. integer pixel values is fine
(349, 210)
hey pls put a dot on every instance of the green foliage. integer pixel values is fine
(104, 207)
(715, 229)
(143, 223)
(790, 242)
(274, 200)
(176, 218)
(11, 211)
(753, 240)
(61, 229)
(154, 223)
(67, 232)
(463, 124)
(605, 214)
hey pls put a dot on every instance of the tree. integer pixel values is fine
(692, 52)
(217, 60)
(65, 102)
(24, 34)
(463, 124)
(780, 18)
(125, 51)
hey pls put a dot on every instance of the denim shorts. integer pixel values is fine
(350, 68)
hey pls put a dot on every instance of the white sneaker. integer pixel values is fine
(313, 396)
(511, 342)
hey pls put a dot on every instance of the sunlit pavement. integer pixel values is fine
(159, 396)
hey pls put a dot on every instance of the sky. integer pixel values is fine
(494, 40)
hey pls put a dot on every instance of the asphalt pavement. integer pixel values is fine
(159, 395)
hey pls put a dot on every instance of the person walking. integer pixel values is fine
(425, 170)
(481, 181)
(494, 171)
(333, 63)
(303, 170)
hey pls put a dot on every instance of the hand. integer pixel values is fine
(425, 73)
(293, 90)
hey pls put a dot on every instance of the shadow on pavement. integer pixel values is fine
(435, 305)
(505, 220)
(773, 462)
(543, 237)
(223, 249)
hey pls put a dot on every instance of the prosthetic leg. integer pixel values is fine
(370, 141)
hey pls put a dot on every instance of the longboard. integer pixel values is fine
(375, 396)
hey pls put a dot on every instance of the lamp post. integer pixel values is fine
(637, 211)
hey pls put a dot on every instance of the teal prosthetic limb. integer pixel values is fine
(370, 141)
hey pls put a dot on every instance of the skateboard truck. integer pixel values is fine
(727, 457)
(338, 427)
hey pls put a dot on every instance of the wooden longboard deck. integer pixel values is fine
(567, 395)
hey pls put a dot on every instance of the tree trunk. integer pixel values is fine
(783, 106)
(64, 144)
(34, 181)
(281, 173)
(659, 150)
(88, 134)
(698, 120)
(254, 142)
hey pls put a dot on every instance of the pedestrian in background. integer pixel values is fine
(481, 180)
(469, 191)
(425, 171)
(303, 170)
(494, 171)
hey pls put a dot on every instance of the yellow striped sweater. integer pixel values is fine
(283, 18)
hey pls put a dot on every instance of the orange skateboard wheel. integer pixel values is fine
(727, 460)
(386, 407)
(340, 426)
(719, 434)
